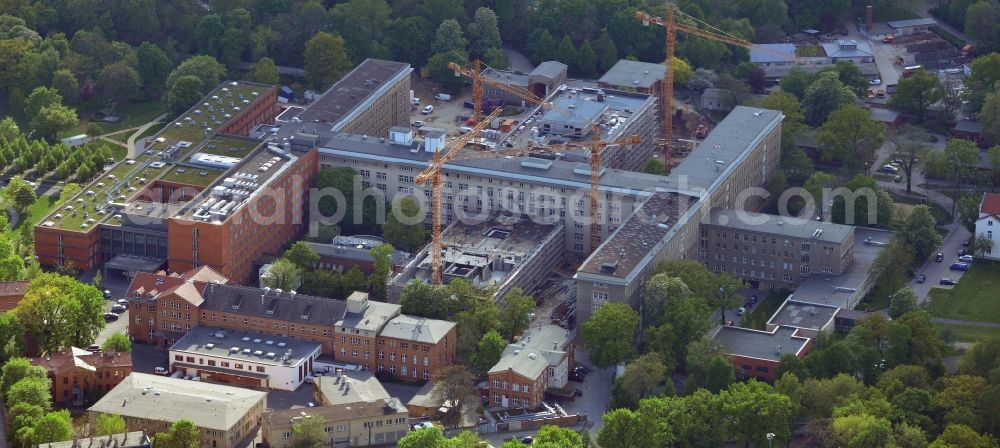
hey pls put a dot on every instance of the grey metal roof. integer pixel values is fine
(286, 418)
(162, 398)
(634, 74)
(837, 50)
(417, 329)
(923, 21)
(760, 344)
(537, 348)
(772, 53)
(523, 361)
(341, 249)
(357, 87)
(351, 387)
(729, 143)
(550, 69)
(797, 314)
(837, 290)
(576, 113)
(263, 349)
(372, 318)
(782, 226)
(965, 125)
(134, 439)
(257, 302)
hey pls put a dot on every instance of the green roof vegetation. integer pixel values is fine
(222, 145)
(200, 177)
(810, 51)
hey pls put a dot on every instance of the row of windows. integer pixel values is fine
(404, 371)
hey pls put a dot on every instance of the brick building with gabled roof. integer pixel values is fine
(77, 375)
(11, 294)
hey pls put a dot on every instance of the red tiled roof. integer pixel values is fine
(990, 204)
(13, 289)
(205, 274)
(66, 359)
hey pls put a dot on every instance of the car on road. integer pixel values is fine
(110, 317)
(419, 124)
(427, 109)
(897, 179)
(311, 404)
(527, 440)
(116, 308)
(959, 266)
(123, 302)
(875, 82)
(741, 310)
(107, 293)
(422, 425)
(310, 379)
(160, 371)
(921, 278)
(965, 258)
(442, 97)
(961, 252)
(939, 257)
(577, 376)
(965, 243)
(888, 169)
(948, 281)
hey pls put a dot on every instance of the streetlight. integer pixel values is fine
(770, 437)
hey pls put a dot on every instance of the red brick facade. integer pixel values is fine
(79, 376)
(507, 389)
(11, 294)
(402, 358)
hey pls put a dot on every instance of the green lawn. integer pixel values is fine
(132, 114)
(192, 176)
(969, 333)
(974, 298)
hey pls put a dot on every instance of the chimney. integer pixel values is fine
(868, 18)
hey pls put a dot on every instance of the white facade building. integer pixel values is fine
(988, 225)
(242, 358)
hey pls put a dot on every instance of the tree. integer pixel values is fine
(326, 60)
(586, 59)
(609, 57)
(960, 160)
(610, 334)
(404, 227)
(420, 299)
(683, 73)
(40, 98)
(543, 46)
(31, 390)
(60, 312)
(702, 282)
(186, 91)
(381, 267)
(454, 386)
(422, 438)
(849, 74)
(66, 84)
(862, 431)
(916, 93)
(566, 52)
(265, 71)
(955, 436)
(208, 70)
(641, 379)
(909, 145)
(823, 96)
(437, 67)
(51, 120)
(449, 37)
(901, 302)
(490, 349)
(982, 245)
(21, 194)
(182, 434)
(118, 342)
(108, 424)
(208, 34)
(11, 338)
(308, 432)
(283, 274)
(118, 83)
(660, 290)
(727, 295)
(483, 31)
(754, 409)
(153, 66)
(556, 436)
(919, 232)
(796, 82)
(53, 427)
(985, 72)
(17, 369)
(495, 57)
(989, 116)
(861, 189)
(850, 136)
(514, 313)
(655, 166)
(302, 255)
(625, 428)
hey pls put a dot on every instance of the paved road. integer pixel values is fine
(132, 153)
(971, 323)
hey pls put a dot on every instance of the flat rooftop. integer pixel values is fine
(837, 290)
(360, 85)
(797, 314)
(635, 239)
(780, 226)
(162, 398)
(190, 132)
(723, 149)
(760, 344)
(634, 74)
(330, 414)
(245, 346)
(558, 173)
(351, 387)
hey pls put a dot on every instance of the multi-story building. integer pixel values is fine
(226, 417)
(538, 361)
(244, 358)
(368, 100)
(11, 294)
(135, 439)
(164, 308)
(79, 375)
(374, 423)
(987, 224)
(541, 81)
(345, 252)
(635, 76)
(769, 251)
(739, 154)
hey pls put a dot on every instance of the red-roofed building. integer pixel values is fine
(988, 224)
(79, 376)
(11, 294)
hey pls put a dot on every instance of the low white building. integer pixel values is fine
(242, 358)
(988, 224)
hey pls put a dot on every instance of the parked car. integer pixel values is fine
(311, 404)
(921, 278)
(419, 124)
(959, 266)
(107, 293)
(309, 379)
(898, 178)
(93, 348)
(110, 317)
(939, 257)
(961, 252)
(422, 425)
(701, 132)
(875, 82)
(527, 440)
(116, 308)
(160, 371)
(427, 109)
(965, 258)
(948, 281)
(415, 101)
(741, 310)
(888, 169)
(576, 376)
(442, 97)
(123, 302)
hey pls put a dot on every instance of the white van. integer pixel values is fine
(160, 370)
(464, 130)
(442, 97)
